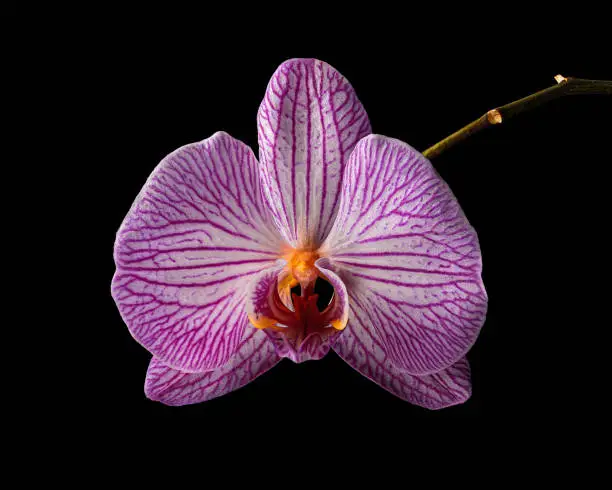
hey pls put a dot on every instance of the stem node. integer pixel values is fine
(565, 86)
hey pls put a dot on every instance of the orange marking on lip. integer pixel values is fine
(264, 322)
(338, 324)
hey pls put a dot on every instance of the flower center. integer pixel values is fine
(294, 320)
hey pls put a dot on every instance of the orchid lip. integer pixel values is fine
(300, 328)
(305, 318)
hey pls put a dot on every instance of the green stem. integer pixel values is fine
(565, 86)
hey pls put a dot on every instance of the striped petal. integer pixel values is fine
(450, 386)
(197, 232)
(409, 258)
(254, 357)
(308, 124)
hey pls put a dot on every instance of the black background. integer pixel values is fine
(532, 187)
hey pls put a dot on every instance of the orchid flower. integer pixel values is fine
(210, 251)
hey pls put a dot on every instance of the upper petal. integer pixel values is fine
(308, 124)
(197, 232)
(450, 386)
(408, 256)
(255, 355)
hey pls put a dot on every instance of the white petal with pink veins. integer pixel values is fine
(450, 386)
(409, 258)
(308, 124)
(196, 234)
(255, 355)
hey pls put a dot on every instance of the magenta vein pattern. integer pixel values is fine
(255, 355)
(196, 232)
(410, 261)
(308, 123)
(445, 388)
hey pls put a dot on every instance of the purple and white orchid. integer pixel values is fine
(214, 243)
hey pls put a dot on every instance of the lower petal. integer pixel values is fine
(451, 386)
(254, 357)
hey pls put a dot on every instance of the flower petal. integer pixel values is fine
(255, 355)
(197, 232)
(450, 386)
(408, 256)
(308, 124)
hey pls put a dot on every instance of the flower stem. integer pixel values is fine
(565, 86)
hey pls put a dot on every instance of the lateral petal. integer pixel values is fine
(197, 232)
(408, 256)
